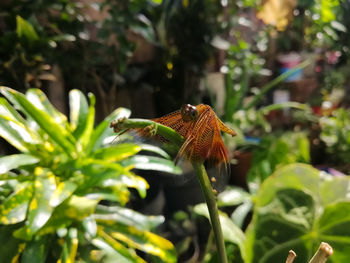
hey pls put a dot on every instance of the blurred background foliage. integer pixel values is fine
(151, 56)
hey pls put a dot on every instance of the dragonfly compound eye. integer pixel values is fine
(189, 112)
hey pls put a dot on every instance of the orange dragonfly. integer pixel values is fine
(201, 128)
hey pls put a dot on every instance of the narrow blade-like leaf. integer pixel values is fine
(79, 109)
(14, 161)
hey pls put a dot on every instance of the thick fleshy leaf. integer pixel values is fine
(90, 226)
(118, 152)
(89, 127)
(109, 215)
(36, 250)
(79, 109)
(109, 244)
(39, 211)
(152, 163)
(143, 240)
(43, 119)
(231, 232)
(103, 134)
(39, 99)
(14, 161)
(14, 208)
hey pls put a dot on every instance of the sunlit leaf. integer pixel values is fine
(45, 121)
(39, 99)
(79, 109)
(89, 128)
(117, 153)
(152, 163)
(117, 246)
(111, 214)
(39, 211)
(14, 161)
(25, 29)
(103, 134)
(14, 208)
(70, 247)
(143, 240)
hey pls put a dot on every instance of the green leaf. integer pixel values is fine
(79, 207)
(25, 29)
(231, 232)
(39, 211)
(117, 153)
(103, 134)
(109, 215)
(152, 163)
(89, 128)
(79, 110)
(36, 250)
(143, 240)
(63, 191)
(70, 247)
(39, 99)
(154, 149)
(14, 208)
(57, 133)
(13, 248)
(233, 196)
(298, 208)
(114, 250)
(14, 161)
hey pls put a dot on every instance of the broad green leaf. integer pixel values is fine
(70, 247)
(14, 208)
(39, 99)
(143, 240)
(231, 232)
(14, 161)
(154, 149)
(109, 244)
(25, 29)
(152, 163)
(39, 211)
(117, 153)
(90, 226)
(78, 207)
(298, 208)
(109, 215)
(233, 196)
(63, 191)
(15, 134)
(13, 248)
(115, 175)
(89, 127)
(45, 121)
(36, 250)
(79, 109)
(103, 134)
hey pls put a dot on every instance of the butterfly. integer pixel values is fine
(201, 128)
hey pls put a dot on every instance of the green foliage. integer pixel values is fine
(297, 208)
(63, 196)
(335, 133)
(276, 151)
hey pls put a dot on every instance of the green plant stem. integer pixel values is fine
(274, 82)
(177, 139)
(210, 199)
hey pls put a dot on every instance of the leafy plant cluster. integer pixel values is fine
(64, 196)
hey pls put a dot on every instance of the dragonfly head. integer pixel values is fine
(189, 112)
